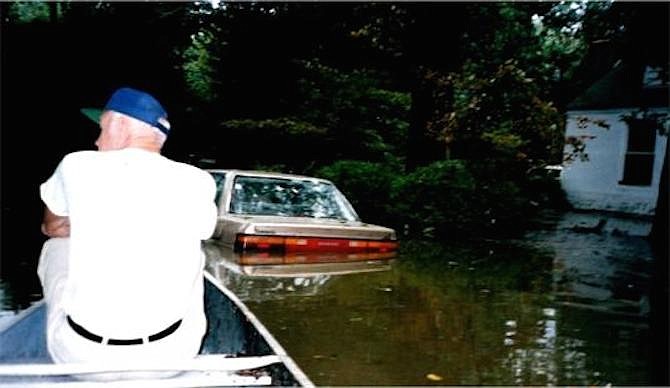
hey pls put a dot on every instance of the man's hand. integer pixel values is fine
(54, 225)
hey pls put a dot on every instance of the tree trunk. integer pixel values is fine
(421, 149)
(433, 42)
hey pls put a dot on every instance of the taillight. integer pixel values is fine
(259, 243)
(245, 243)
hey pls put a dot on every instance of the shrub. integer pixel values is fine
(435, 200)
(448, 199)
(367, 185)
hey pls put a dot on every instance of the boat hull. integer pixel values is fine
(233, 331)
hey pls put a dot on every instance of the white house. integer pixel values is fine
(622, 121)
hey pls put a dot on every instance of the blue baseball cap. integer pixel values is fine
(134, 103)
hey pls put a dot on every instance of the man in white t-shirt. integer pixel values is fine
(122, 274)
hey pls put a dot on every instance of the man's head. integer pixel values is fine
(131, 118)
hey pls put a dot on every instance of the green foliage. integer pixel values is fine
(498, 33)
(449, 199)
(563, 50)
(338, 115)
(456, 199)
(380, 27)
(367, 185)
(293, 87)
(499, 116)
(434, 200)
(198, 67)
(29, 11)
(493, 116)
(361, 114)
(284, 126)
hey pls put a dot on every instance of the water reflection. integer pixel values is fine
(539, 361)
(304, 277)
(597, 330)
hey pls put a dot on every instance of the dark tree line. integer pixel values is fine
(424, 113)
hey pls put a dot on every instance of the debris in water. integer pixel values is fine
(434, 377)
(385, 289)
(510, 324)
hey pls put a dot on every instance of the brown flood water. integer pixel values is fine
(571, 311)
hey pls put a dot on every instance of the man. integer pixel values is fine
(122, 274)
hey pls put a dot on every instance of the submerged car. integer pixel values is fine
(272, 218)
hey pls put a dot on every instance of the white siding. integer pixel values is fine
(594, 184)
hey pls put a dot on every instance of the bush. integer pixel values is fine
(435, 200)
(449, 199)
(367, 185)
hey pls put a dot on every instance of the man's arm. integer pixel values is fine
(54, 225)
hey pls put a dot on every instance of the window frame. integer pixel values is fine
(628, 177)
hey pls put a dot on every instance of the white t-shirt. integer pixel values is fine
(136, 223)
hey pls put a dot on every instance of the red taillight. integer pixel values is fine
(259, 243)
(312, 244)
(382, 246)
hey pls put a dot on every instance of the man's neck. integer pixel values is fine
(144, 144)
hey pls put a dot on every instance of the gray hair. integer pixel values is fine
(142, 129)
(160, 135)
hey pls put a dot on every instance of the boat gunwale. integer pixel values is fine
(276, 347)
(12, 321)
(300, 377)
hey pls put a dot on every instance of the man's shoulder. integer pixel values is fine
(80, 156)
(191, 170)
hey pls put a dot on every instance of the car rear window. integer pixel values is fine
(289, 198)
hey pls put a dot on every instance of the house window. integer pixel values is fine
(639, 163)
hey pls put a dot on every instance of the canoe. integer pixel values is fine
(237, 351)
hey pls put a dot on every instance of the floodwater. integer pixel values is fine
(568, 305)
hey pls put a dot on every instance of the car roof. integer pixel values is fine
(266, 174)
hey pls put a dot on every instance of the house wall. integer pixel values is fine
(594, 184)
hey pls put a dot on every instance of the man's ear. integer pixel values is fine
(124, 127)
